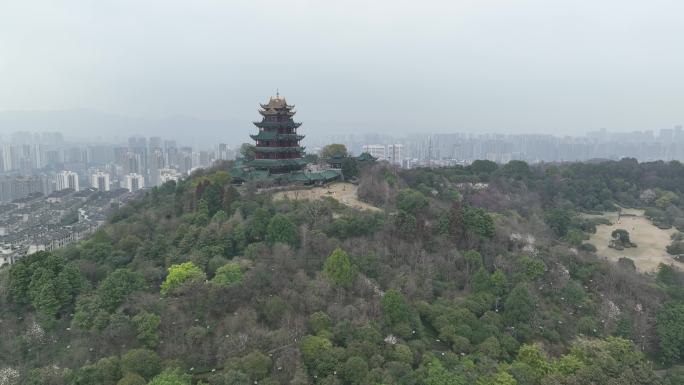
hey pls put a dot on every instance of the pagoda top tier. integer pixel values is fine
(277, 106)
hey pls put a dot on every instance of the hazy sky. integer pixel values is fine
(353, 66)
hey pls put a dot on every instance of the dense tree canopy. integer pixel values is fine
(281, 229)
(334, 149)
(671, 331)
(119, 284)
(339, 269)
(229, 274)
(247, 151)
(181, 274)
(47, 282)
(479, 274)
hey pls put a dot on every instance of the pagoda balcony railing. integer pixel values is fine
(279, 149)
(276, 163)
(279, 157)
(275, 143)
(268, 135)
(276, 155)
(283, 124)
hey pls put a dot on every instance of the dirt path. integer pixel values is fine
(651, 241)
(345, 193)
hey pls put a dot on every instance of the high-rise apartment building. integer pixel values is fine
(67, 179)
(155, 142)
(395, 153)
(18, 187)
(9, 158)
(223, 152)
(134, 182)
(100, 181)
(156, 163)
(376, 150)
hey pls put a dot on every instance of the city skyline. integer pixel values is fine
(49, 162)
(107, 128)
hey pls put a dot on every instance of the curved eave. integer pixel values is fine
(266, 135)
(298, 162)
(270, 112)
(286, 106)
(279, 149)
(261, 137)
(288, 124)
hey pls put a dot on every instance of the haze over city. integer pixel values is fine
(110, 69)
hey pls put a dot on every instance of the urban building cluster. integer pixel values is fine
(393, 153)
(45, 163)
(436, 150)
(40, 222)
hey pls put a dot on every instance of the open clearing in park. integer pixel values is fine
(651, 241)
(345, 193)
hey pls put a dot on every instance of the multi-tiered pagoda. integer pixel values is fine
(277, 143)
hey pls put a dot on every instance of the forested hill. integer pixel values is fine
(466, 275)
